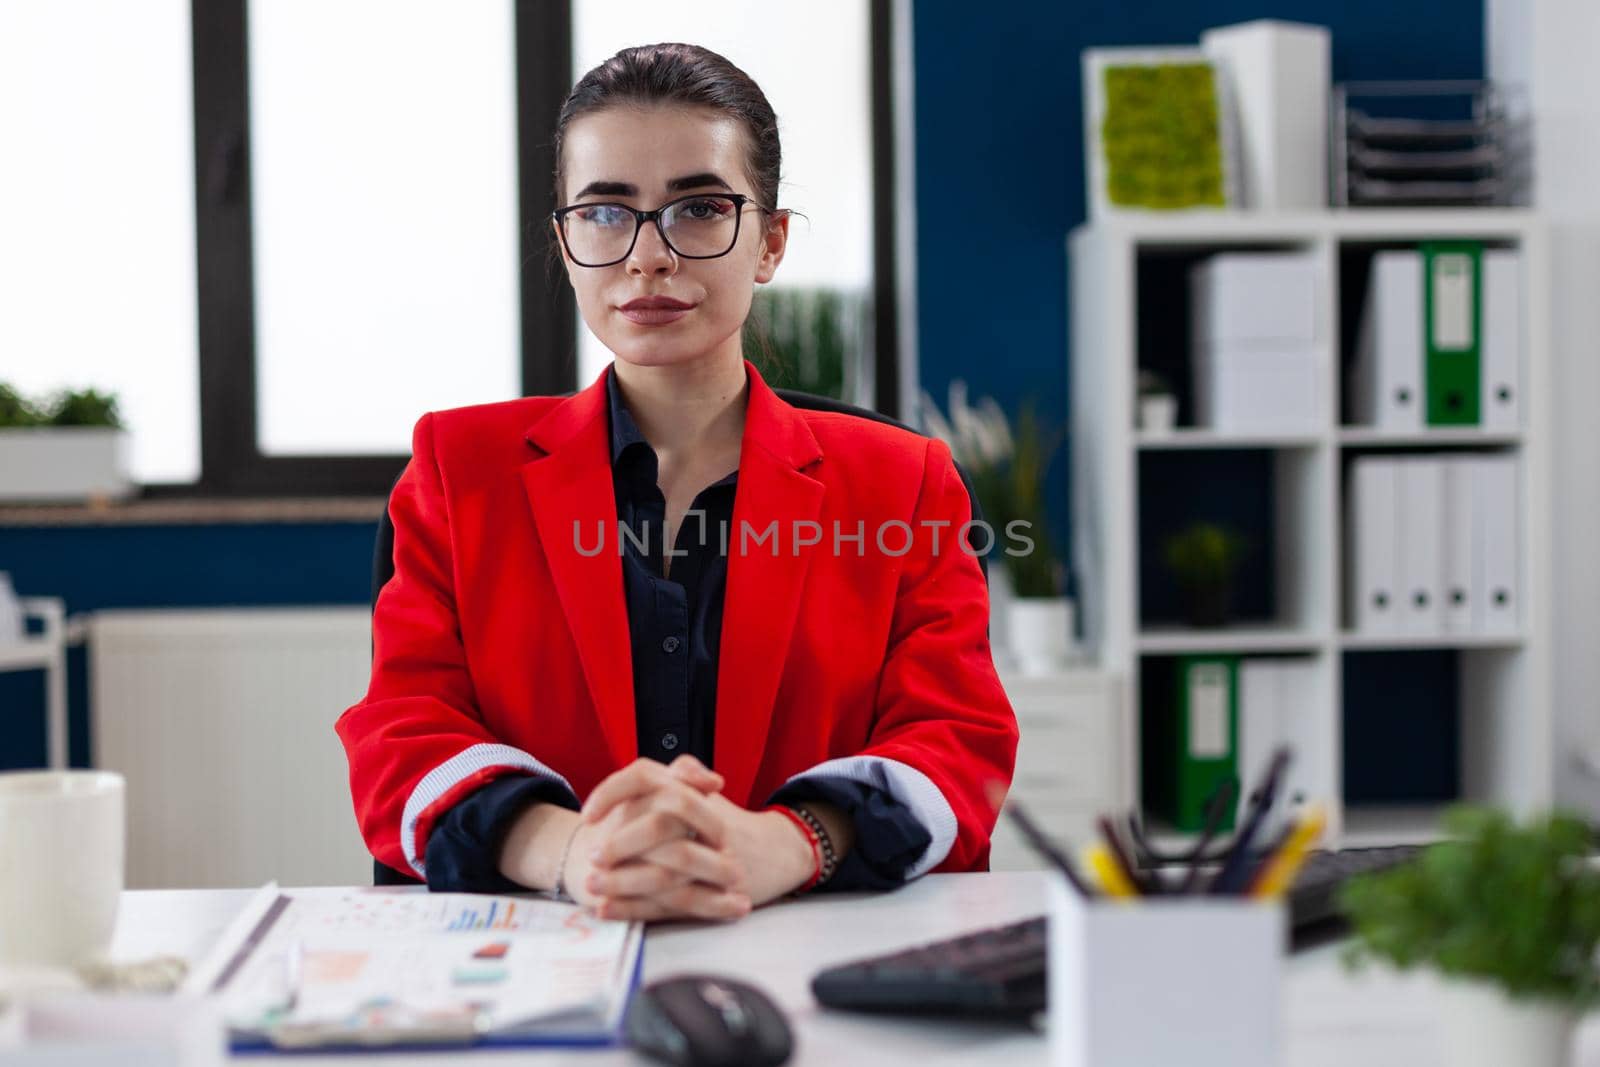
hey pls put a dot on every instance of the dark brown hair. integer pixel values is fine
(685, 74)
(693, 76)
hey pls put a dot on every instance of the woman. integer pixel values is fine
(817, 632)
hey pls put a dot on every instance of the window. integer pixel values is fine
(281, 231)
(383, 143)
(97, 231)
(826, 125)
(367, 172)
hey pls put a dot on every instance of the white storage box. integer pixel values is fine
(63, 463)
(1258, 389)
(1279, 80)
(1192, 980)
(1258, 338)
(1267, 298)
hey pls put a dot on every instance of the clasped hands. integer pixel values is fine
(657, 841)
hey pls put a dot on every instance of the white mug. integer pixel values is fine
(61, 856)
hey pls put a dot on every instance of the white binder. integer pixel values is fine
(1308, 778)
(1373, 544)
(1276, 696)
(1462, 608)
(1502, 339)
(1260, 703)
(1386, 386)
(1499, 552)
(1421, 543)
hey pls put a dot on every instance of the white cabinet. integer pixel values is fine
(1070, 765)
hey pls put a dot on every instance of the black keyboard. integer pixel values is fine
(1000, 971)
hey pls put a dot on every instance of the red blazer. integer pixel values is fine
(501, 642)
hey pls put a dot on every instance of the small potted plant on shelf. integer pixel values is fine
(1032, 617)
(1508, 915)
(1158, 407)
(1204, 557)
(69, 447)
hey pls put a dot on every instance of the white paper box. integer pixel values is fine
(1258, 389)
(1278, 73)
(1267, 298)
(1179, 980)
(63, 463)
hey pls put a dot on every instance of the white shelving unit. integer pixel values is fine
(46, 652)
(1505, 716)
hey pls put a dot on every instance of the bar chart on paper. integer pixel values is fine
(375, 911)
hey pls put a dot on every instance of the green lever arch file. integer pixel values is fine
(1452, 326)
(1192, 744)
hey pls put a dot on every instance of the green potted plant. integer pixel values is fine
(1508, 915)
(70, 446)
(809, 339)
(1032, 620)
(1204, 557)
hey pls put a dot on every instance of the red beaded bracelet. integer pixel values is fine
(811, 836)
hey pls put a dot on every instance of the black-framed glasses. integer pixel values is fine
(698, 226)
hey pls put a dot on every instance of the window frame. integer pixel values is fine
(231, 461)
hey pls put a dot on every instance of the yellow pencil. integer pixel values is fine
(1277, 871)
(1113, 880)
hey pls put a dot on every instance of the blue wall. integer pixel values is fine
(95, 567)
(1000, 168)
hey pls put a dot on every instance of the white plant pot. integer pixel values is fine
(1483, 1027)
(63, 463)
(1158, 414)
(1039, 633)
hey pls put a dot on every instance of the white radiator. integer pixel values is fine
(222, 722)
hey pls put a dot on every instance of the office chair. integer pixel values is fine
(383, 548)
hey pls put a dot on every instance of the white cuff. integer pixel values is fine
(443, 778)
(907, 785)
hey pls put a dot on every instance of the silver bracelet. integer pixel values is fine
(561, 871)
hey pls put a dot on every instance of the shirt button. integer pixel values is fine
(669, 645)
(669, 741)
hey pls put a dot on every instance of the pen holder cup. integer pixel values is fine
(1194, 980)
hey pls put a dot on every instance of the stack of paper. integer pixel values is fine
(1432, 544)
(308, 968)
(1257, 343)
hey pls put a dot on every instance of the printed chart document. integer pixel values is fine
(307, 968)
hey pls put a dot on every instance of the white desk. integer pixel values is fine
(1374, 1020)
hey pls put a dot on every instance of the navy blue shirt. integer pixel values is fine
(675, 627)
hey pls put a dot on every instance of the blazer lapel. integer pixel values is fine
(571, 484)
(575, 510)
(762, 599)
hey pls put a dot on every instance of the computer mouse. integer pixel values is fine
(704, 1020)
